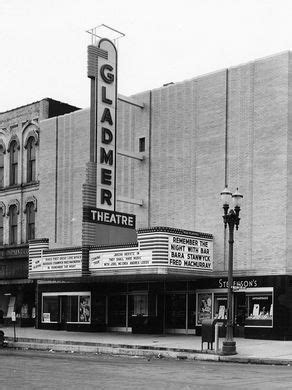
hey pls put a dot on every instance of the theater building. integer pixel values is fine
(19, 186)
(129, 233)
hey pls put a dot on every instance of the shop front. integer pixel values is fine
(261, 308)
(17, 292)
(262, 305)
(148, 287)
(164, 284)
(137, 307)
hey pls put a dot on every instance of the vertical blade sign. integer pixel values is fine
(106, 125)
(102, 69)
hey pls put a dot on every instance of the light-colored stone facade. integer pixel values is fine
(20, 124)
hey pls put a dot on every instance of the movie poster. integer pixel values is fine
(84, 309)
(204, 307)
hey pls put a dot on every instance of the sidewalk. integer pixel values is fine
(171, 346)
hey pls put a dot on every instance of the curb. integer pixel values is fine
(247, 360)
(135, 350)
(112, 349)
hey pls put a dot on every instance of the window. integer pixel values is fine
(142, 144)
(1, 167)
(84, 309)
(220, 306)
(259, 309)
(13, 225)
(78, 309)
(13, 163)
(72, 307)
(31, 160)
(1, 226)
(140, 305)
(50, 309)
(30, 221)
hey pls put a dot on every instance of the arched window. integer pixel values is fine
(31, 159)
(13, 163)
(1, 227)
(12, 224)
(1, 166)
(30, 221)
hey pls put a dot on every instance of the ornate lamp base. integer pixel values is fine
(229, 348)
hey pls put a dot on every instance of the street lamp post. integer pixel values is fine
(230, 218)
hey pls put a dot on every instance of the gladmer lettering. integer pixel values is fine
(107, 129)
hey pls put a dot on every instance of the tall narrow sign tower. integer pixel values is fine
(102, 71)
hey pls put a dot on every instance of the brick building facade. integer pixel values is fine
(177, 147)
(176, 181)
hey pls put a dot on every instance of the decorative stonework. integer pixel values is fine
(2, 144)
(13, 202)
(33, 132)
(3, 207)
(13, 138)
(30, 199)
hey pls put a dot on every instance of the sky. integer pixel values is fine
(43, 43)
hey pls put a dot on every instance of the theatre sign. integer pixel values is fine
(120, 259)
(190, 252)
(102, 70)
(55, 263)
(108, 217)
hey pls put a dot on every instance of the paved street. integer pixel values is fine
(47, 370)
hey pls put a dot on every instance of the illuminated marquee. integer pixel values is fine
(190, 252)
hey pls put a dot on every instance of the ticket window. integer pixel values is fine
(140, 305)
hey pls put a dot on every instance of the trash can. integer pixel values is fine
(208, 332)
(1, 339)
